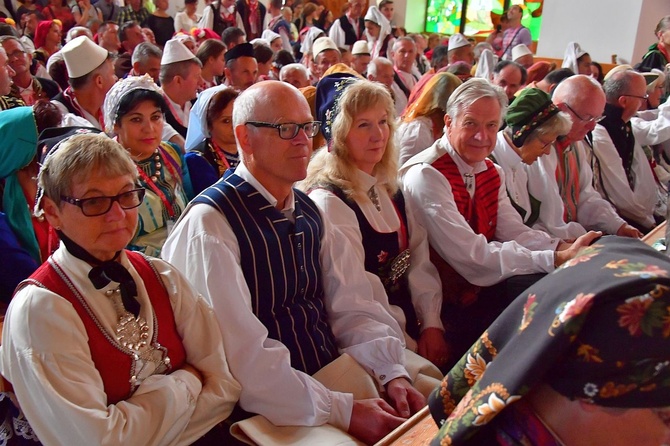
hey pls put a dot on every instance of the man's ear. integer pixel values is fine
(242, 137)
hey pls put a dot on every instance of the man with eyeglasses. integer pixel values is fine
(280, 280)
(27, 87)
(563, 180)
(626, 178)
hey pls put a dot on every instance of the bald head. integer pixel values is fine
(583, 99)
(276, 156)
(575, 87)
(626, 90)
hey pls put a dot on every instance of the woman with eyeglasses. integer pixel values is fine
(211, 148)
(134, 110)
(104, 345)
(533, 124)
(354, 182)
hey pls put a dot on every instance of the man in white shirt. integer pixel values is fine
(626, 179)
(403, 56)
(485, 254)
(180, 77)
(91, 75)
(278, 278)
(350, 27)
(563, 180)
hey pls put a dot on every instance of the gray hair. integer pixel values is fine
(400, 40)
(290, 68)
(663, 25)
(172, 70)
(76, 158)
(76, 32)
(376, 63)
(472, 90)
(4, 39)
(618, 85)
(144, 51)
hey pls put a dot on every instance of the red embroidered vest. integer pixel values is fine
(481, 213)
(114, 362)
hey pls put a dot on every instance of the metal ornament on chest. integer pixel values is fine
(131, 332)
(157, 166)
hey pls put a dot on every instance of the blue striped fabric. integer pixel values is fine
(280, 262)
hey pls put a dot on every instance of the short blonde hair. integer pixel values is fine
(336, 166)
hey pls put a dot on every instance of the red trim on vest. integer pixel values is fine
(115, 363)
(481, 212)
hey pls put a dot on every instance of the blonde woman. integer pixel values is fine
(354, 184)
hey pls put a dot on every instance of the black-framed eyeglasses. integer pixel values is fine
(645, 97)
(595, 119)
(289, 130)
(94, 206)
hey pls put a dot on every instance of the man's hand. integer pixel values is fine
(372, 419)
(581, 242)
(404, 397)
(627, 230)
(433, 346)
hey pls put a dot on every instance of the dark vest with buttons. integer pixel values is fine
(481, 213)
(381, 249)
(281, 265)
(350, 36)
(115, 363)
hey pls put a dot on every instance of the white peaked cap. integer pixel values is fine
(82, 56)
(360, 47)
(520, 50)
(456, 41)
(322, 44)
(175, 51)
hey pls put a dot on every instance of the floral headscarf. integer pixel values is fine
(595, 330)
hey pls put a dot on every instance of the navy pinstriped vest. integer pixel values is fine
(280, 262)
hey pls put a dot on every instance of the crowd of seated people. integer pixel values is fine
(320, 213)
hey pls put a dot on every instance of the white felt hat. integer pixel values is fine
(360, 47)
(456, 41)
(322, 44)
(82, 56)
(520, 50)
(175, 51)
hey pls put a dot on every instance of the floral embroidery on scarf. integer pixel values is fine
(584, 255)
(528, 312)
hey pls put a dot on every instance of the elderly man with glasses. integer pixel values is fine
(563, 180)
(626, 178)
(280, 279)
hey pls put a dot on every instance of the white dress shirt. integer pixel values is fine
(636, 203)
(516, 250)
(207, 19)
(593, 211)
(424, 282)
(45, 355)
(204, 246)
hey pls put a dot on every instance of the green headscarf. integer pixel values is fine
(18, 133)
(531, 109)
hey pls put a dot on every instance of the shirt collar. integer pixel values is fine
(242, 172)
(463, 167)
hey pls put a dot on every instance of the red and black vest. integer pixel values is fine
(481, 213)
(115, 363)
